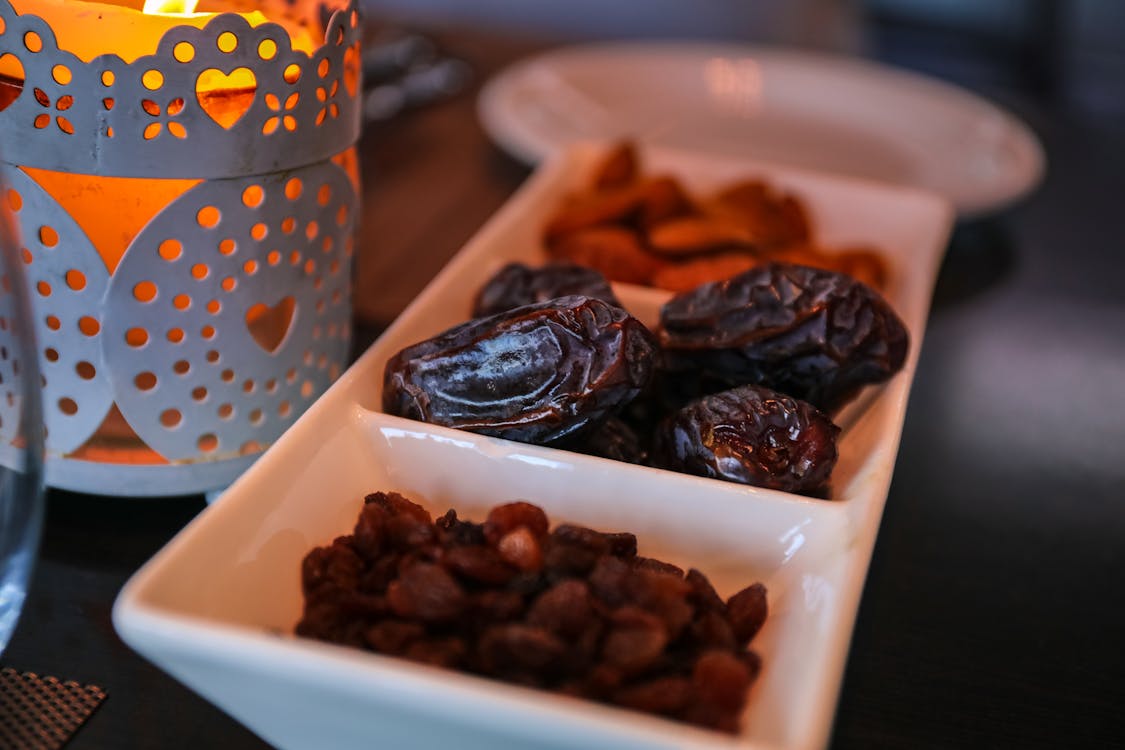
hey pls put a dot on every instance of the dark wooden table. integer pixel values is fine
(994, 612)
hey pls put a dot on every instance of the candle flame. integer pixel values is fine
(170, 7)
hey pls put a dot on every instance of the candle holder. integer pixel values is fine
(187, 222)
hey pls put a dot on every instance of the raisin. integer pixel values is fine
(814, 334)
(752, 662)
(611, 580)
(521, 550)
(424, 591)
(527, 583)
(635, 640)
(564, 560)
(702, 594)
(535, 374)
(753, 436)
(336, 566)
(603, 680)
(477, 563)
(516, 285)
(720, 679)
(508, 517)
(658, 566)
(663, 695)
(448, 651)
(580, 536)
(367, 538)
(571, 609)
(564, 609)
(712, 629)
(664, 595)
(380, 573)
(747, 611)
(393, 636)
(454, 531)
(573, 550)
(397, 505)
(497, 606)
(361, 605)
(406, 532)
(622, 544)
(329, 621)
(520, 649)
(397, 521)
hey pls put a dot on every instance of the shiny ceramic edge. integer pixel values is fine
(532, 145)
(156, 631)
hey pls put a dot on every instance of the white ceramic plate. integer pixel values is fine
(828, 113)
(217, 606)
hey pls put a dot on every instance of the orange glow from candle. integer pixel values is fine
(89, 29)
(112, 210)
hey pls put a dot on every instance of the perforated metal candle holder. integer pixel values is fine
(187, 222)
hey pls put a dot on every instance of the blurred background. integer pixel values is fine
(1058, 49)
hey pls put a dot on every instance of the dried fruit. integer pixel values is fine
(693, 235)
(565, 609)
(613, 439)
(685, 275)
(593, 209)
(614, 251)
(517, 284)
(477, 564)
(748, 610)
(596, 620)
(535, 374)
(750, 435)
(508, 517)
(617, 168)
(644, 229)
(816, 335)
(769, 215)
(426, 592)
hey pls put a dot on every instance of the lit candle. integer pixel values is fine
(89, 29)
(112, 206)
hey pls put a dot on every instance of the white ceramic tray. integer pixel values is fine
(217, 606)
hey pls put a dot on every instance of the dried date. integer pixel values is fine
(516, 285)
(535, 374)
(614, 439)
(750, 435)
(813, 334)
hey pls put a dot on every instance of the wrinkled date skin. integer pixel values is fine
(750, 435)
(535, 374)
(516, 285)
(814, 334)
(613, 439)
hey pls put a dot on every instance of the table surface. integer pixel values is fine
(994, 612)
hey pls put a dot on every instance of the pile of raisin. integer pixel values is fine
(569, 609)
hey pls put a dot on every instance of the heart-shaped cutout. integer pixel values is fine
(11, 80)
(226, 97)
(270, 325)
